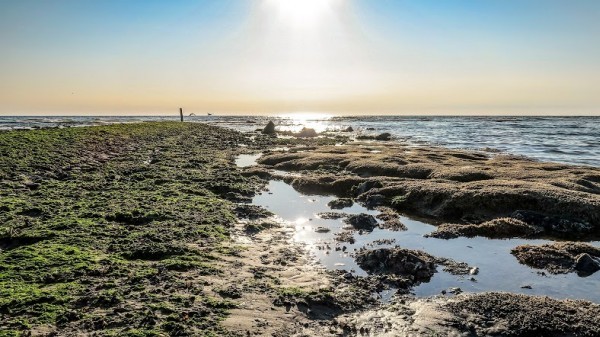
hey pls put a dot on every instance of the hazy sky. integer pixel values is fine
(276, 56)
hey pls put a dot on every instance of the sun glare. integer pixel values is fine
(302, 13)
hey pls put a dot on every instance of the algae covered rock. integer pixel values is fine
(340, 203)
(497, 228)
(560, 257)
(397, 261)
(361, 221)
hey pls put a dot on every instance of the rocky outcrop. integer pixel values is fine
(560, 257)
(269, 129)
(497, 228)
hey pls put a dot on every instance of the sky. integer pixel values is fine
(413, 57)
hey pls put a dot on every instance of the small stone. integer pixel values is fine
(474, 271)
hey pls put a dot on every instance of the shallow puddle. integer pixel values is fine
(245, 160)
(498, 269)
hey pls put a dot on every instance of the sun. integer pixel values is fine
(302, 13)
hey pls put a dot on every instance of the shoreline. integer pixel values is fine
(149, 215)
(527, 136)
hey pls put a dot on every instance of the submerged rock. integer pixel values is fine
(384, 136)
(269, 129)
(331, 215)
(345, 236)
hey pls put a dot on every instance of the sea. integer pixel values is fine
(570, 140)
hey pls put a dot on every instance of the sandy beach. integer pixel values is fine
(154, 229)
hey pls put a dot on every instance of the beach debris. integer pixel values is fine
(322, 230)
(269, 129)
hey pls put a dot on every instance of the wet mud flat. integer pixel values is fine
(169, 229)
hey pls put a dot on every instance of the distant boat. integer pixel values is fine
(209, 114)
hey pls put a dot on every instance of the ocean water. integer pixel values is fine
(572, 140)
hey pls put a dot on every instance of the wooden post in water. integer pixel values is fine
(181, 113)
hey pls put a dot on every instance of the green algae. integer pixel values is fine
(102, 226)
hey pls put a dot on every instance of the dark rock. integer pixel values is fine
(497, 228)
(349, 129)
(455, 290)
(397, 261)
(269, 129)
(584, 263)
(307, 133)
(340, 203)
(384, 136)
(560, 257)
(553, 223)
(361, 221)
(374, 200)
(367, 186)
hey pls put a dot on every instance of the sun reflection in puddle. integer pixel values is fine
(499, 270)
